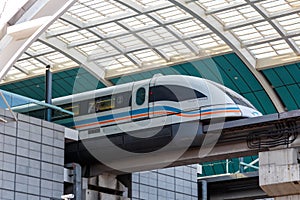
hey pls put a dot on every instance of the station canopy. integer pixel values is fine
(114, 37)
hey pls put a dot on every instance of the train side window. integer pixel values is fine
(173, 93)
(123, 99)
(140, 96)
(162, 93)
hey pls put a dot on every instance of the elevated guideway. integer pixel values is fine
(238, 138)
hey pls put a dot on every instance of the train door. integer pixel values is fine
(140, 100)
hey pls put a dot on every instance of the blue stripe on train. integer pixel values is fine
(142, 111)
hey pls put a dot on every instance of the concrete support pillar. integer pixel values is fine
(104, 187)
(279, 173)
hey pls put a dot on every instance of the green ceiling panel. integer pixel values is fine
(62, 84)
(175, 70)
(243, 71)
(286, 81)
(264, 101)
(284, 75)
(233, 74)
(205, 71)
(190, 67)
(294, 71)
(295, 93)
(251, 97)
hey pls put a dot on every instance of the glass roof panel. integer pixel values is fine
(274, 6)
(78, 36)
(174, 50)
(256, 32)
(129, 43)
(206, 43)
(157, 36)
(270, 49)
(171, 14)
(218, 4)
(99, 49)
(238, 15)
(290, 23)
(139, 22)
(87, 11)
(152, 3)
(60, 26)
(189, 28)
(109, 30)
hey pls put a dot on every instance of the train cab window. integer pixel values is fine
(239, 101)
(140, 96)
(173, 93)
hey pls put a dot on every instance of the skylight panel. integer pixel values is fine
(171, 14)
(297, 40)
(256, 32)
(118, 62)
(274, 6)
(110, 29)
(96, 48)
(270, 49)
(130, 42)
(78, 36)
(59, 25)
(38, 47)
(157, 36)
(139, 22)
(217, 4)
(208, 41)
(151, 3)
(290, 23)
(145, 56)
(177, 49)
(238, 15)
(189, 28)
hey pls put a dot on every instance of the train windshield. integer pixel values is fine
(238, 99)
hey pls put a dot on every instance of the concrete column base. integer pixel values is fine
(279, 173)
(290, 197)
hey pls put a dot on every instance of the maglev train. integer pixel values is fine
(159, 101)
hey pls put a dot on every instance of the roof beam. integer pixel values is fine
(32, 23)
(213, 24)
(76, 56)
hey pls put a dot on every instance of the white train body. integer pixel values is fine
(155, 102)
